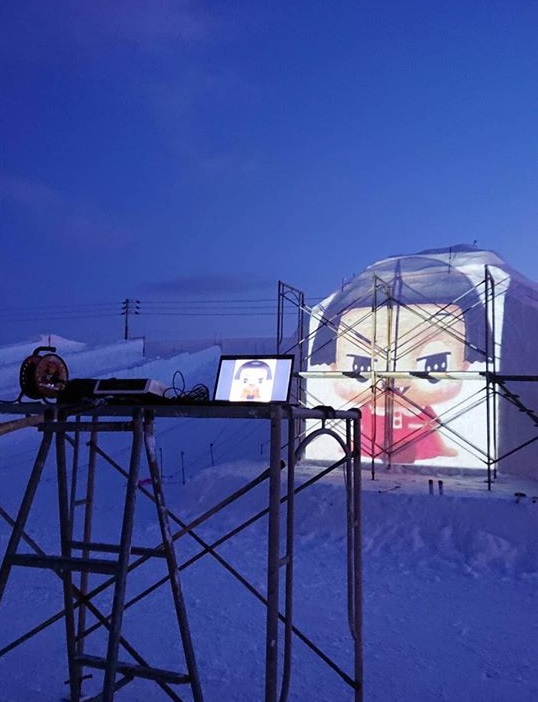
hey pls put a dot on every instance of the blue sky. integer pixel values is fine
(203, 151)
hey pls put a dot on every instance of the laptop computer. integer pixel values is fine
(253, 378)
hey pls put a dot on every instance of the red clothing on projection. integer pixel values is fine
(413, 430)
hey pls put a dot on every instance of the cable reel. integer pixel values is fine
(43, 375)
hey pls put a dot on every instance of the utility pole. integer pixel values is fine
(129, 307)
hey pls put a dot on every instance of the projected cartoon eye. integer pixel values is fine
(360, 365)
(436, 362)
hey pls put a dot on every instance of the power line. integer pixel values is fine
(216, 313)
(208, 300)
(55, 317)
(91, 305)
(183, 308)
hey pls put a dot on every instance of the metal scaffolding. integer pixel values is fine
(64, 427)
(381, 392)
(291, 333)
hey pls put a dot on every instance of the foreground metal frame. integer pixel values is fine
(65, 425)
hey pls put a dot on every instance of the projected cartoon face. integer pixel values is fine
(422, 338)
(252, 381)
(428, 340)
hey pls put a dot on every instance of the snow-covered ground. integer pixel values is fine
(450, 581)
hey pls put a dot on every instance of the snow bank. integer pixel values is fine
(199, 367)
(449, 582)
(81, 361)
(16, 353)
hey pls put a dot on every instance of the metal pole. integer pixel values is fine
(87, 535)
(171, 562)
(66, 536)
(273, 560)
(489, 384)
(374, 383)
(280, 316)
(123, 561)
(24, 509)
(74, 475)
(350, 559)
(15, 424)
(357, 557)
(494, 385)
(290, 516)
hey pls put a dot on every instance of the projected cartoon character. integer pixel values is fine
(428, 318)
(253, 381)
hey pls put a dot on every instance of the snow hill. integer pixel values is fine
(450, 581)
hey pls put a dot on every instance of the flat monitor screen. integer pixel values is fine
(253, 379)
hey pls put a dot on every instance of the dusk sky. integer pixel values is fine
(183, 152)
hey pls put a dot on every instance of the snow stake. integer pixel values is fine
(430, 486)
(440, 484)
(183, 466)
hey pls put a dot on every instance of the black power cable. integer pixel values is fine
(198, 393)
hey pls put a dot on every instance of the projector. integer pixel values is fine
(115, 389)
(129, 386)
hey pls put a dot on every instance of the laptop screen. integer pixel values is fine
(253, 378)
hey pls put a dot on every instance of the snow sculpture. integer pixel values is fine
(424, 344)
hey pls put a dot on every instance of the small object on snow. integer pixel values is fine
(440, 484)
(430, 486)
(394, 487)
(519, 495)
(534, 499)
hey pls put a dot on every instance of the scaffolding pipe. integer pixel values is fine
(273, 560)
